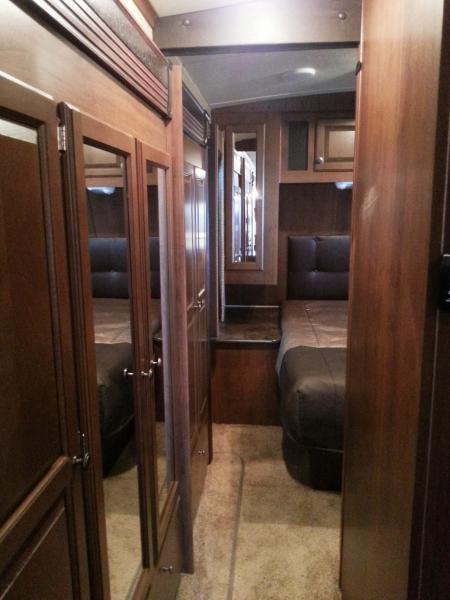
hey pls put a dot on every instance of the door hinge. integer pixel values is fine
(62, 138)
(358, 68)
(84, 457)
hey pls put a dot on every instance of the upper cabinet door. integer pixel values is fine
(335, 145)
(42, 545)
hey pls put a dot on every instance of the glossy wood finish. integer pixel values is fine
(177, 291)
(147, 154)
(196, 230)
(318, 130)
(244, 383)
(335, 141)
(399, 173)
(305, 209)
(41, 507)
(170, 563)
(87, 130)
(105, 34)
(70, 76)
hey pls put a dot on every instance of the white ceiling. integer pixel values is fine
(164, 8)
(226, 79)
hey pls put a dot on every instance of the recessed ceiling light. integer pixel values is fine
(305, 71)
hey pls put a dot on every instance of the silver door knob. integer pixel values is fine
(148, 373)
(126, 373)
(168, 569)
(156, 363)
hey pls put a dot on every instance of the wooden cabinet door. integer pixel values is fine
(335, 141)
(192, 307)
(42, 538)
(201, 237)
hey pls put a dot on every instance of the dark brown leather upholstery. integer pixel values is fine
(109, 268)
(318, 267)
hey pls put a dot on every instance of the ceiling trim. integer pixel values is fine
(199, 50)
(227, 103)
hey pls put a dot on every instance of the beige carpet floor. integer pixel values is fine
(260, 535)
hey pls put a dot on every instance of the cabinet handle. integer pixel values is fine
(201, 452)
(148, 373)
(126, 373)
(320, 160)
(168, 569)
(156, 363)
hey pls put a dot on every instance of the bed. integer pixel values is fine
(112, 326)
(311, 359)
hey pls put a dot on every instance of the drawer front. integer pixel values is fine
(199, 464)
(168, 569)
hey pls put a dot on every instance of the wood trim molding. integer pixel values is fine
(111, 40)
(196, 121)
(147, 10)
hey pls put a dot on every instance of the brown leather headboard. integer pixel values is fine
(109, 267)
(318, 267)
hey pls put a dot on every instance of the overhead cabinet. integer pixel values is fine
(317, 149)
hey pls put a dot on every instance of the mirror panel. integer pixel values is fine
(163, 443)
(244, 196)
(106, 206)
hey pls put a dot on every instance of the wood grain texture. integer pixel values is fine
(392, 227)
(177, 292)
(39, 414)
(305, 209)
(244, 384)
(70, 76)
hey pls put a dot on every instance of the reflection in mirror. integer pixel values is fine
(244, 198)
(156, 244)
(106, 198)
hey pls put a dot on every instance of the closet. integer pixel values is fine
(98, 478)
(196, 229)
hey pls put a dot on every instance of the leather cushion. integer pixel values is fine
(318, 267)
(109, 267)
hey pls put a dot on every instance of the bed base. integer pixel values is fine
(319, 468)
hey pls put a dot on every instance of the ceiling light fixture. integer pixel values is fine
(305, 71)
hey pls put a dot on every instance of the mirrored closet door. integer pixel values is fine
(119, 404)
(154, 166)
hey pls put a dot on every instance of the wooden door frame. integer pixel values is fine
(27, 106)
(178, 314)
(81, 128)
(162, 160)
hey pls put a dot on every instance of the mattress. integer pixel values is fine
(311, 370)
(112, 320)
(114, 354)
(312, 324)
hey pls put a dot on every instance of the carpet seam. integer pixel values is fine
(231, 580)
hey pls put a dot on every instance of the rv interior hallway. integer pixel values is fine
(259, 534)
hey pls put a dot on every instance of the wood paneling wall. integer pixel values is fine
(305, 209)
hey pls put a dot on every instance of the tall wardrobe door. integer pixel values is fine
(42, 545)
(201, 238)
(192, 300)
(118, 402)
